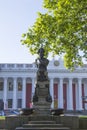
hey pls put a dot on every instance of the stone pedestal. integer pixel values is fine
(43, 104)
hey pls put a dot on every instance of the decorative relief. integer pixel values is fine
(56, 63)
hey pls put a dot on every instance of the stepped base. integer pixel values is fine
(42, 122)
(42, 125)
(43, 128)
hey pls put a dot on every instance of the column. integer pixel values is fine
(80, 94)
(5, 93)
(15, 93)
(24, 93)
(61, 93)
(58, 95)
(76, 95)
(33, 86)
(70, 99)
(52, 92)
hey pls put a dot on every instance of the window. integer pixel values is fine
(19, 65)
(19, 103)
(9, 103)
(1, 86)
(2, 65)
(28, 65)
(10, 86)
(19, 86)
(10, 65)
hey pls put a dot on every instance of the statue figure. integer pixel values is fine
(42, 63)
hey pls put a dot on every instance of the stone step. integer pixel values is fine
(42, 122)
(41, 117)
(42, 125)
(43, 128)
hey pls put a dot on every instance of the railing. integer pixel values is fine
(28, 66)
(16, 66)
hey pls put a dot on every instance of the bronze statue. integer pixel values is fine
(42, 81)
(42, 63)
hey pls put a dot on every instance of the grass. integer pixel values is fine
(82, 116)
(2, 117)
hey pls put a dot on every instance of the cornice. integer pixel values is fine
(66, 71)
(20, 70)
(49, 70)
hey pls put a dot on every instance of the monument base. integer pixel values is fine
(42, 107)
(43, 103)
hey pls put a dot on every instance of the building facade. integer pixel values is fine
(68, 89)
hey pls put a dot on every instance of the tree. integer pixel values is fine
(62, 30)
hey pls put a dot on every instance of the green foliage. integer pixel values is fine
(61, 30)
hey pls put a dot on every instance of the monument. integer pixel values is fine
(42, 99)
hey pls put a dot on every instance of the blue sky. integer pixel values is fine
(15, 18)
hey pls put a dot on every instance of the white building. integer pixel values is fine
(68, 89)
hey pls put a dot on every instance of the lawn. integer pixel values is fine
(82, 116)
(2, 117)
